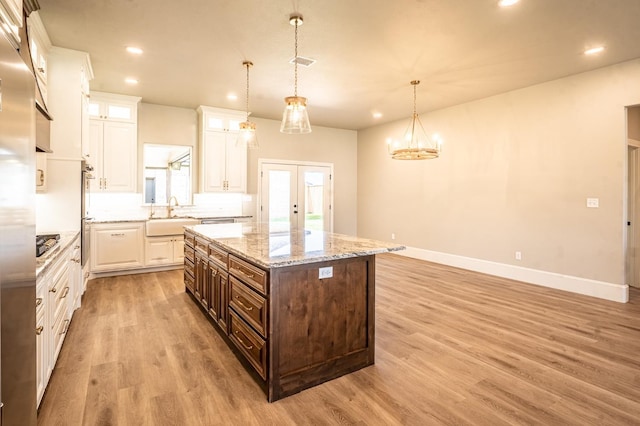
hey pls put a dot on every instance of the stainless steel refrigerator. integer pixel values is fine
(17, 239)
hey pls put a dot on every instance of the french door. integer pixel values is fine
(296, 196)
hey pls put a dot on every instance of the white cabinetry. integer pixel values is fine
(113, 142)
(54, 308)
(117, 246)
(11, 20)
(223, 162)
(39, 45)
(164, 250)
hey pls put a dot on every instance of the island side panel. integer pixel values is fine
(320, 328)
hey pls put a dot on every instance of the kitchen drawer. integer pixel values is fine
(59, 331)
(58, 292)
(189, 253)
(202, 245)
(188, 267)
(41, 293)
(189, 282)
(218, 256)
(252, 346)
(189, 240)
(249, 274)
(249, 305)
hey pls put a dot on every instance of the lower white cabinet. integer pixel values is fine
(55, 294)
(164, 250)
(117, 246)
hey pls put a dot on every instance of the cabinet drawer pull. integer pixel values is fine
(66, 327)
(246, 308)
(38, 301)
(246, 273)
(39, 330)
(247, 347)
(75, 260)
(120, 234)
(66, 292)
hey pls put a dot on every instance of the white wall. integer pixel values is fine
(514, 175)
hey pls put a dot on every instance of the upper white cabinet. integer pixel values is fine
(223, 162)
(11, 20)
(39, 46)
(113, 142)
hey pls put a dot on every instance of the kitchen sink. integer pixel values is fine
(169, 226)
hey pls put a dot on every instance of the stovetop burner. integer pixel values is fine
(45, 242)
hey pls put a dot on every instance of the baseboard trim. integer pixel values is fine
(585, 286)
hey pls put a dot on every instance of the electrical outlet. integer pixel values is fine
(518, 255)
(326, 272)
(393, 236)
(593, 203)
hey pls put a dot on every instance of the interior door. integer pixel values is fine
(296, 196)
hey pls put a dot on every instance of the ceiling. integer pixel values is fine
(367, 51)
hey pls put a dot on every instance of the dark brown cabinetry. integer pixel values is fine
(293, 328)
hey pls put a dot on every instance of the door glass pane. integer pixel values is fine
(94, 109)
(279, 200)
(114, 111)
(314, 201)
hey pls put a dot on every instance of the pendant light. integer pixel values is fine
(247, 134)
(416, 145)
(295, 118)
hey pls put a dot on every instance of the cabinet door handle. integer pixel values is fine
(39, 330)
(247, 347)
(53, 290)
(38, 301)
(40, 177)
(66, 327)
(66, 292)
(245, 307)
(75, 260)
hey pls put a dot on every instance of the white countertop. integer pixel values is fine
(46, 260)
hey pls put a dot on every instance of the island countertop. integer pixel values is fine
(269, 249)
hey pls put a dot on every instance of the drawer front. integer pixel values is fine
(188, 267)
(189, 282)
(218, 256)
(189, 253)
(59, 331)
(249, 274)
(202, 245)
(249, 305)
(252, 346)
(189, 240)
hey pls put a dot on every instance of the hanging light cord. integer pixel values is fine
(295, 63)
(247, 64)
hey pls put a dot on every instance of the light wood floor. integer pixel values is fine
(453, 347)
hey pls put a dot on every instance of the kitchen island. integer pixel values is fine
(297, 307)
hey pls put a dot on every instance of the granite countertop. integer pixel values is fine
(46, 260)
(256, 243)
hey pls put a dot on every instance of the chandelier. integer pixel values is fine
(415, 145)
(295, 118)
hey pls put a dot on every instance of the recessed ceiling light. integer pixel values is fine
(377, 115)
(134, 50)
(130, 80)
(594, 50)
(232, 97)
(507, 3)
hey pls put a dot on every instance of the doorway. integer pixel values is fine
(632, 260)
(295, 195)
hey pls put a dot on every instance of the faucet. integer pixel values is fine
(151, 212)
(169, 208)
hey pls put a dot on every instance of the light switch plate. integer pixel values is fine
(326, 272)
(593, 203)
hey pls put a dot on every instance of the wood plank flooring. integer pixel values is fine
(453, 347)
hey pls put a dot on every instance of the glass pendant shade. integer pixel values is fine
(415, 145)
(247, 135)
(295, 118)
